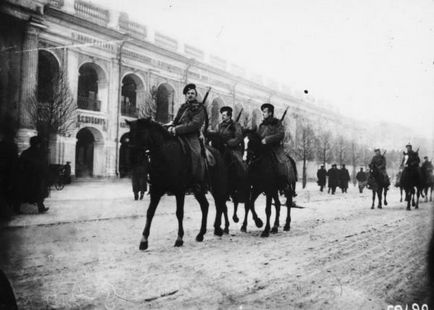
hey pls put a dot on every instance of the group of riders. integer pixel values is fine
(192, 115)
(189, 122)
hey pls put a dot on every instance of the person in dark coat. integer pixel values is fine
(232, 138)
(67, 172)
(33, 169)
(322, 177)
(139, 174)
(411, 162)
(187, 125)
(344, 178)
(378, 165)
(271, 132)
(333, 175)
(362, 179)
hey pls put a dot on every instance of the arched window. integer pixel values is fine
(48, 74)
(129, 97)
(88, 88)
(165, 101)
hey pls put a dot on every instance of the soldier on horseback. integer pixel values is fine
(187, 124)
(411, 158)
(271, 132)
(378, 167)
(231, 136)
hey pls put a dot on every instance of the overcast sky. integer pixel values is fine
(372, 58)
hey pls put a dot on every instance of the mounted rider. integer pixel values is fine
(411, 158)
(187, 125)
(271, 132)
(378, 167)
(231, 135)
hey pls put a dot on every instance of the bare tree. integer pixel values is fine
(148, 108)
(304, 145)
(56, 115)
(324, 142)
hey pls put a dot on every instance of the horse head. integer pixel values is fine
(146, 134)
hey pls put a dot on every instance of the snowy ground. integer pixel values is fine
(83, 254)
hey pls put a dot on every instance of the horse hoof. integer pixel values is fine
(265, 234)
(226, 230)
(408, 209)
(274, 230)
(380, 207)
(417, 207)
(372, 207)
(243, 229)
(178, 243)
(286, 228)
(143, 245)
(218, 232)
(199, 238)
(235, 218)
(258, 222)
(385, 203)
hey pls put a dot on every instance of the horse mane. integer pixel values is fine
(149, 123)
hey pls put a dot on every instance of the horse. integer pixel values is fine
(169, 173)
(264, 178)
(428, 184)
(378, 183)
(411, 181)
(238, 185)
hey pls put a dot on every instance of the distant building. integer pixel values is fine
(118, 69)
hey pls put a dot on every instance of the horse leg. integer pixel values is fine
(266, 231)
(425, 190)
(258, 221)
(277, 205)
(385, 196)
(417, 198)
(373, 199)
(287, 226)
(155, 199)
(246, 213)
(180, 216)
(413, 202)
(380, 198)
(400, 189)
(408, 198)
(204, 206)
(235, 217)
(225, 213)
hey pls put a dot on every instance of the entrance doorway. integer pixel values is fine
(84, 153)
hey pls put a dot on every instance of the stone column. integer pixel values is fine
(28, 83)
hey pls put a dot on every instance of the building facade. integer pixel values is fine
(119, 70)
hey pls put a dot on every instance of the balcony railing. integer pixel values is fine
(92, 12)
(87, 103)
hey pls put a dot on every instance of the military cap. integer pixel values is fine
(408, 144)
(377, 150)
(426, 157)
(227, 109)
(188, 87)
(334, 165)
(268, 106)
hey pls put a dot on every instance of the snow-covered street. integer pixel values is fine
(83, 254)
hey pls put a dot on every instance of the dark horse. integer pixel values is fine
(411, 181)
(428, 184)
(264, 178)
(378, 183)
(169, 173)
(238, 182)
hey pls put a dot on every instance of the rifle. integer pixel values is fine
(206, 113)
(284, 114)
(239, 115)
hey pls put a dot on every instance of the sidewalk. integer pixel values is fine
(94, 200)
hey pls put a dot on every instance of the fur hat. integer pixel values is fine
(188, 87)
(226, 109)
